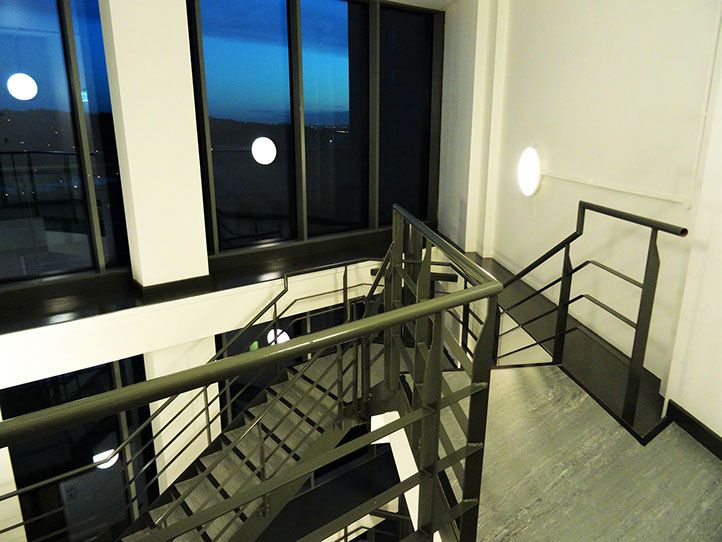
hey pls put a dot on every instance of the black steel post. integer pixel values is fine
(641, 335)
(429, 442)
(476, 429)
(563, 309)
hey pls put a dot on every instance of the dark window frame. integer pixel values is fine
(298, 125)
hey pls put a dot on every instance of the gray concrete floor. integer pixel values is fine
(557, 467)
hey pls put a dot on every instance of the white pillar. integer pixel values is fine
(171, 360)
(10, 513)
(151, 87)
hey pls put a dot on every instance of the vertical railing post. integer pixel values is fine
(476, 428)
(422, 340)
(339, 384)
(262, 471)
(429, 442)
(641, 334)
(126, 452)
(563, 309)
(392, 297)
(497, 331)
(366, 378)
(465, 310)
(346, 303)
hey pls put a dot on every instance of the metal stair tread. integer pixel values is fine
(307, 397)
(232, 472)
(291, 430)
(203, 496)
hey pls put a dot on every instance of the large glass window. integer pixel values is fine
(260, 79)
(83, 505)
(44, 227)
(104, 156)
(405, 110)
(245, 51)
(44, 224)
(335, 88)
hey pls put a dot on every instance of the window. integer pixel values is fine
(245, 51)
(95, 95)
(82, 505)
(335, 90)
(45, 224)
(303, 131)
(405, 111)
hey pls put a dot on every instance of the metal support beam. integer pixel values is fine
(476, 429)
(82, 137)
(429, 442)
(563, 308)
(299, 123)
(374, 109)
(204, 131)
(644, 318)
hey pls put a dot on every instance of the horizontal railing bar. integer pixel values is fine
(379, 500)
(305, 468)
(610, 310)
(364, 509)
(616, 273)
(456, 409)
(99, 406)
(543, 258)
(629, 217)
(537, 343)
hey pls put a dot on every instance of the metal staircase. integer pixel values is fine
(297, 419)
(247, 431)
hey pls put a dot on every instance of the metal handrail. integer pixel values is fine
(471, 271)
(55, 418)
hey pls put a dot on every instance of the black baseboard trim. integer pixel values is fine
(697, 430)
(175, 289)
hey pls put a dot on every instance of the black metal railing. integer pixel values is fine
(388, 355)
(647, 287)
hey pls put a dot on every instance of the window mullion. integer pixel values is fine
(81, 129)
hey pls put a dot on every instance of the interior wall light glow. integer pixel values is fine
(263, 151)
(528, 171)
(276, 336)
(103, 456)
(22, 87)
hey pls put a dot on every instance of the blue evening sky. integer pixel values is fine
(246, 57)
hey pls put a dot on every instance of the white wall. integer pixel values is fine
(612, 94)
(149, 71)
(171, 436)
(71, 346)
(469, 47)
(696, 376)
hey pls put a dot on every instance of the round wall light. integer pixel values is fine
(263, 151)
(528, 171)
(108, 456)
(22, 87)
(276, 336)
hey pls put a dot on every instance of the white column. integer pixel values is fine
(151, 87)
(168, 361)
(695, 379)
(10, 513)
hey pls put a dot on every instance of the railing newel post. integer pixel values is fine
(563, 308)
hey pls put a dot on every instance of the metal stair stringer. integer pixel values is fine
(277, 500)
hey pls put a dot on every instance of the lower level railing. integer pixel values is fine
(300, 398)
